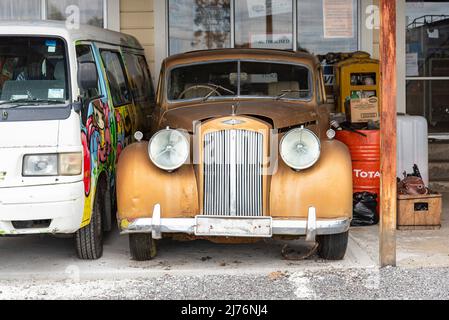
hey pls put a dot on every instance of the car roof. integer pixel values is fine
(246, 54)
(59, 28)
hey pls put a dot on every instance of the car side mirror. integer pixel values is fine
(87, 75)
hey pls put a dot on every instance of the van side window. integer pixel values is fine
(84, 54)
(140, 79)
(116, 77)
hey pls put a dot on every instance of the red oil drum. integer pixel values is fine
(365, 154)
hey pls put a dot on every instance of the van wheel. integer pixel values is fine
(332, 246)
(89, 239)
(142, 246)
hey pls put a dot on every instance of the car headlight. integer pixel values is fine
(169, 149)
(63, 164)
(300, 148)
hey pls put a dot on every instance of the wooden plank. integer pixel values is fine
(388, 202)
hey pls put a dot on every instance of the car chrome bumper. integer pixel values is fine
(310, 227)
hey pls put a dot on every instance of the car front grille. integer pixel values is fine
(233, 173)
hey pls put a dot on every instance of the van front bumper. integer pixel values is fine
(310, 227)
(60, 204)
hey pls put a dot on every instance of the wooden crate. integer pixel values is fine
(419, 212)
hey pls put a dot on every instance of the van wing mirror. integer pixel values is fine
(87, 75)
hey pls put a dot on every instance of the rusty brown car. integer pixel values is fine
(241, 150)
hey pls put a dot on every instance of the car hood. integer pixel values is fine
(280, 114)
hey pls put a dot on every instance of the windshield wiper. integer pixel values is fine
(24, 102)
(285, 92)
(216, 86)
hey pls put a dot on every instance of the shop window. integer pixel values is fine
(319, 26)
(20, 9)
(427, 62)
(199, 24)
(90, 11)
(264, 24)
(116, 77)
(328, 25)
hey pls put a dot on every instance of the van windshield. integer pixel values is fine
(33, 70)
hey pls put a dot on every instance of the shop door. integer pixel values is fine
(427, 62)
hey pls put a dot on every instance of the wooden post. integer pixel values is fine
(388, 201)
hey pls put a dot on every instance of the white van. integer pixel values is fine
(70, 101)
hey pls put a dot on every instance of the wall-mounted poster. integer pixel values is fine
(259, 8)
(338, 18)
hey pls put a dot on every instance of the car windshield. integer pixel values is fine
(33, 70)
(255, 79)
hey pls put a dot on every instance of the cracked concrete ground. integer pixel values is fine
(43, 267)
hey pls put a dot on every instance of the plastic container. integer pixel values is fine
(413, 145)
(365, 154)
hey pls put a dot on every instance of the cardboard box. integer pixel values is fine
(363, 110)
(419, 212)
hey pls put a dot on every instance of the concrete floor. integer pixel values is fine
(45, 257)
(417, 248)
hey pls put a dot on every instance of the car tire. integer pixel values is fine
(332, 246)
(142, 246)
(89, 239)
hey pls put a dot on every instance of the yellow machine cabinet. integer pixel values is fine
(358, 75)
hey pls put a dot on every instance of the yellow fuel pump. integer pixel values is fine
(356, 77)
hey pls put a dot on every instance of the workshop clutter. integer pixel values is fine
(364, 146)
(418, 206)
(356, 119)
(365, 212)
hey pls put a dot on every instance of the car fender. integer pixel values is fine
(141, 185)
(327, 186)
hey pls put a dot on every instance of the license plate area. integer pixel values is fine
(218, 226)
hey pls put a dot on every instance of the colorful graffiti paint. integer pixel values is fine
(106, 131)
(99, 156)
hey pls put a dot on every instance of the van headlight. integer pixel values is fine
(169, 149)
(300, 148)
(55, 164)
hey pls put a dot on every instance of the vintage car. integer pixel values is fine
(241, 150)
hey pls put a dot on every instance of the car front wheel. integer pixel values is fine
(333, 246)
(89, 239)
(142, 246)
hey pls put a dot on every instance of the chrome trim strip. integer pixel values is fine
(233, 173)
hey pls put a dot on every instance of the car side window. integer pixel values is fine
(84, 54)
(116, 77)
(139, 76)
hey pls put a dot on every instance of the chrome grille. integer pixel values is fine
(233, 163)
